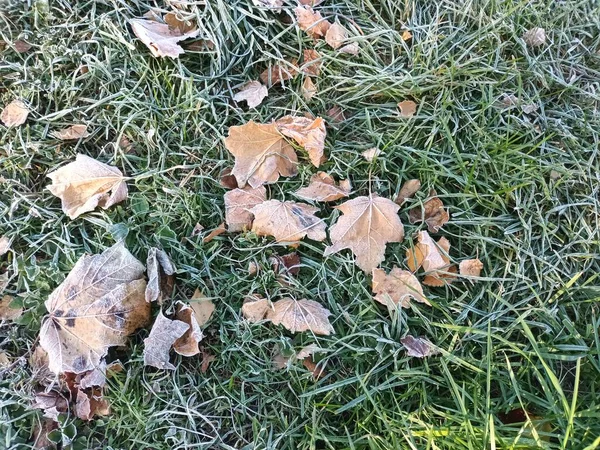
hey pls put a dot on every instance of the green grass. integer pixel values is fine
(523, 192)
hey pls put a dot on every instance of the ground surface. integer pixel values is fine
(522, 189)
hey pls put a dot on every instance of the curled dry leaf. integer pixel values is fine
(254, 92)
(187, 345)
(309, 89)
(4, 245)
(162, 336)
(433, 258)
(408, 108)
(280, 72)
(433, 213)
(470, 267)
(8, 312)
(14, 114)
(418, 347)
(289, 263)
(350, 49)
(323, 188)
(287, 221)
(203, 307)
(53, 403)
(315, 369)
(312, 63)
(308, 133)
(181, 26)
(408, 189)
(535, 37)
(227, 180)
(398, 287)
(238, 204)
(91, 404)
(371, 153)
(85, 183)
(255, 308)
(161, 271)
(261, 154)
(160, 38)
(71, 133)
(301, 315)
(312, 22)
(214, 233)
(367, 225)
(97, 306)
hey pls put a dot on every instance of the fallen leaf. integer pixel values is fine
(261, 154)
(408, 189)
(161, 271)
(53, 403)
(408, 108)
(14, 114)
(22, 46)
(350, 49)
(180, 26)
(300, 315)
(160, 38)
(323, 188)
(39, 361)
(97, 306)
(40, 432)
(238, 204)
(316, 370)
(535, 37)
(367, 225)
(418, 347)
(336, 35)
(529, 108)
(162, 336)
(287, 221)
(187, 345)
(312, 22)
(253, 92)
(289, 263)
(279, 361)
(227, 180)
(207, 359)
(470, 267)
(84, 184)
(310, 2)
(203, 307)
(312, 63)
(198, 228)
(71, 133)
(398, 287)
(273, 4)
(371, 153)
(4, 360)
(280, 72)
(308, 133)
(433, 213)
(406, 35)
(309, 89)
(255, 308)
(336, 114)
(4, 245)
(308, 350)
(252, 268)
(89, 405)
(6, 311)
(214, 233)
(427, 254)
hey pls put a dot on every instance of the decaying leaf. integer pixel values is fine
(308, 350)
(336, 35)
(97, 306)
(254, 92)
(367, 225)
(71, 133)
(40, 432)
(162, 336)
(280, 72)
(433, 258)
(207, 359)
(22, 46)
(261, 154)
(203, 307)
(39, 361)
(161, 271)
(91, 404)
(85, 183)
(433, 213)
(470, 267)
(214, 233)
(14, 114)
(408, 189)
(289, 263)
(408, 108)
(181, 26)
(418, 347)
(308, 133)
(535, 37)
(255, 308)
(371, 153)
(309, 89)
(323, 188)
(312, 63)
(238, 204)
(317, 370)
(187, 345)
(287, 221)
(160, 38)
(53, 403)
(4, 245)
(253, 268)
(398, 287)
(301, 315)
(7, 312)
(312, 22)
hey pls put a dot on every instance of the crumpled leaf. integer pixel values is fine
(261, 154)
(535, 37)
(408, 189)
(301, 315)
(160, 38)
(323, 188)
(187, 345)
(308, 133)
(309, 89)
(162, 336)
(227, 180)
(371, 153)
(53, 403)
(312, 63)
(351, 49)
(214, 233)
(71, 133)
(85, 183)
(7, 312)
(287, 221)
(433, 213)
(418, 347)
(14, 114)
(97, 306)
(312, 22)
(161, 271)
(432, 258)
(255, 308)
(408, 108)
(203, 307)
(253, 92)
(91, 404)
(470, 267)
(182, 26)
(238, 204)
(280, 72)
(367, 225)
(399, 287)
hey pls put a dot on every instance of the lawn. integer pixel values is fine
(507, 134)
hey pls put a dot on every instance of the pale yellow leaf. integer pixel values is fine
(308, 133)
(71, 133)
(203, 307)
(4, 245)
(408, 189)
(470, 267)
(371, 153)
(309, 89)
(408, 108)
(254, 308)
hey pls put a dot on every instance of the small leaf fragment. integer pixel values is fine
(53, 403)
(160, 38)
(433, 258)
(227, 180)
(470, 267)
(309, 89)
(287, 221)
(371, 153)
(187, 344)
(433, 213)
(7, 312)
(203, 307)
(181, 26)
(406, 35)
(253, 93)
(301, 315)
(535, 37)
(308, 133)
(214, 233)
(238, 204)
(312, 22)
(336, 35)
(408, 189)
(323, 188)
(14, 114)
(418, 347)
(4, 245)
(312, 63)
(160, 275)
(159, 342)
(280, 72)
(72, 133)
(398, 287)
(408, 108)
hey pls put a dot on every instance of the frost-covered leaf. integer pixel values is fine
(408, 189)
(323, 188)
(254, 92)
(72, 133)
(470, 267)
(159, 342)
(308, 133)
(160, 38)
(287, 221)
(399, 286)
(187, 345)
(238, 204)
(300, 315)
(203, 307)
(408, 108)
(312, 22)
(255, 308)
(161, 271)
(418, 347)
(14, 114)
(433, 213)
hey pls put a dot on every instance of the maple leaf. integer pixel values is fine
(287, 221)
(97, 306)
(280, 72)
(238, 204)
(85, 183)
(418, 347)
(261, 154)
(187, 344)
(160, 275)
(312, 22)
(162, 336)
(435, 263)
(399, 287)
(408, 108)
(255, 308)
(470, 267)
(433, 213)
(203, 307)
(253, 92)
(14, 114)
(161, 38)
(308, 133)
(323, 188)
(71, 133)
(367, 225)
(301, 315)
(408, 189)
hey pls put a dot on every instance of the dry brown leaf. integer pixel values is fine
(162, 336)
(71, 133)
(301, 315)
(316, 370)
(433, 213)
(312, 22)
(336, 35)
(91, 404)
(6, 311)
(203, 307)
(398, 287)
(310, 2)
(161, 271)
(84, 184)
(308, 350)
(160, 38)
(180, 26)
(309, 89)
(418, 347)
(214, 233)
(323, 188)
(227, 180)
(4, 360)
(406, 35)
(308, 133)
(367, 225)
(40, 432)
(371, 153)
(187, 345)
(238, 204)
(252, 268)
(350, 49)
(97, 306)
(14, 114)
(53, 403)
(287, 221)
(197, 229)
(261, 154)
(470, 267)
(4, 245)
(535, 37)
(433, 258)
(255, 308)
(408, 189)
(408, 108)
(336, 114)
(312, 63)
(207, 359)
(280, 72)
(254, 92)
(38, 361)
(289, 263)
(22, 46)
